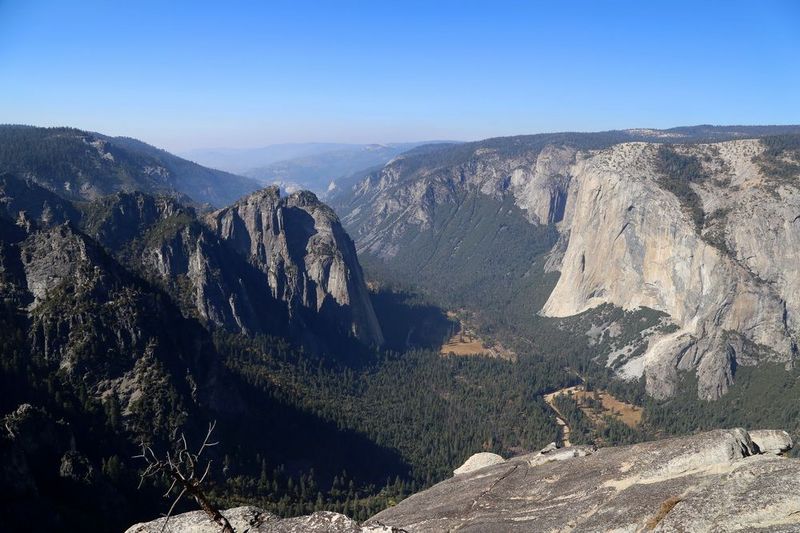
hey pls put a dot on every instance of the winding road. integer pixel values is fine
(562, 423)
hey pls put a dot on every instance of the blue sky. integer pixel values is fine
(238, 74)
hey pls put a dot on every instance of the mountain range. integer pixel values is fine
(144, 296)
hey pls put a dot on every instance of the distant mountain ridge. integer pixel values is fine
(242, 159)
(82, 165)
(317, 167)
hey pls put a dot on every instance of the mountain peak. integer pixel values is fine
(309, 260)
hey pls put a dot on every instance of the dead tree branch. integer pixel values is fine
(181, 465)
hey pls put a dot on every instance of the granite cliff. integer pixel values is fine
(167, 243)
(726, 284)
(309, 260)
(265, 265)
(707, 233)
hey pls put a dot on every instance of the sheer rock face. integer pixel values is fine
(730, 285)
(631, 243)
(264, 265)
(57, 255)
(716, 481)
(309, 260)
(170, 246)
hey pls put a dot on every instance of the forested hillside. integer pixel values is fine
(81, 165)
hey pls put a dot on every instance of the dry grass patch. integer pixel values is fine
(464, 346)
(466, 342)
(627, 413)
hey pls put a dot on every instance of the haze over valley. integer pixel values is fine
(318, 167)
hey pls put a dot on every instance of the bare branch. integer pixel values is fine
(169, 490)
(172, 508)
(181, 465)
(208, 469)
(205, 444)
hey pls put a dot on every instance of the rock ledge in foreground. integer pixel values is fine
(722, 480)
(255, 520)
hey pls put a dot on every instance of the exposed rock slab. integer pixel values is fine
(255, 520)
(772, 441)
(723, 480)
(478, 461)
(715, 481)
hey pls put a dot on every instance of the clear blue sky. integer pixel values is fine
(194, 74)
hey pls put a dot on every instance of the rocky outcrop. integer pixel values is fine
(716, 481)
(168, 245)
(255, 520)
(771, 441)
(266, 265)
(55, 256)
(478, 461)
(309, 260)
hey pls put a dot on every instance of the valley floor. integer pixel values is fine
(467, 342)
